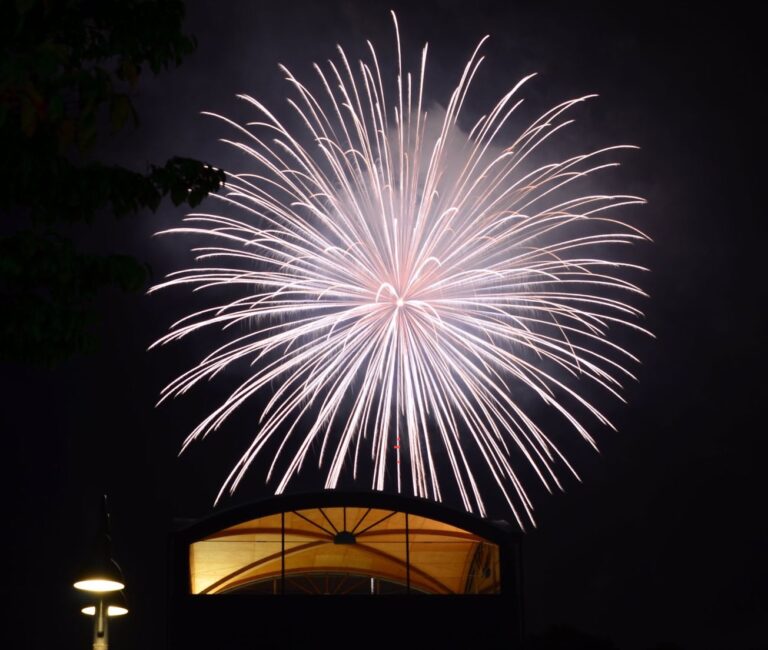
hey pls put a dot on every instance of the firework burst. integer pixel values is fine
(403, 285)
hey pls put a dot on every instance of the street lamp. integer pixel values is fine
(103, 579)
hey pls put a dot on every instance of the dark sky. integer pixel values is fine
(665, 538)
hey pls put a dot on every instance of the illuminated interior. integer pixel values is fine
(344, 550)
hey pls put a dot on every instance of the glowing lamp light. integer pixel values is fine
(99, 585)
(112, 610)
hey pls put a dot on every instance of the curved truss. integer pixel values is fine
(331, 550)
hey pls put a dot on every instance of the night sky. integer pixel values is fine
(664, 540)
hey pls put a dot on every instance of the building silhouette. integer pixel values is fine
(336, 569)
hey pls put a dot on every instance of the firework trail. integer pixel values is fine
(403, 284)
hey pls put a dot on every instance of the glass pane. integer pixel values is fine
(344, 551)
(484, 571)
(381, 551)
(323, 555)
(236, 556)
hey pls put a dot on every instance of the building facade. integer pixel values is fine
(324, 569)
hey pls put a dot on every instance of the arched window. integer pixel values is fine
(344, 550)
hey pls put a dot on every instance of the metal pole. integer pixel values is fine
(407, 556)
(100, 635)
(282, 553)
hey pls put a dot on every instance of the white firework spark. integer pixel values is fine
(402, 282)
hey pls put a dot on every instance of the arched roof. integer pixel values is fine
(395, 540)
(498, 531)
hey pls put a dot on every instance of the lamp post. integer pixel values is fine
(107, 606)
(103, 580)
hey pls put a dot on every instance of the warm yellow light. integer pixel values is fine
(112, 610)
(99, 585)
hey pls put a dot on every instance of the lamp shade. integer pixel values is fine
(105, 577)
(101, 573)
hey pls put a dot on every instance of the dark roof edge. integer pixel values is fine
(498, 531)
